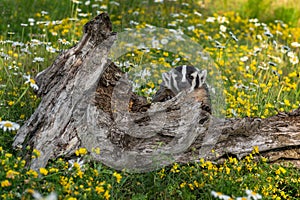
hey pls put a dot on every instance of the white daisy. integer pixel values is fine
(31, 82)
(219, 195)
(211, 19)
(294, 60)
(50, 49)
(9, 126)
(295, 44)
(52, 196)
(38, 59)
(242, 198)
(244, 58)
(223, 28)
(253, 195)
(78, 161)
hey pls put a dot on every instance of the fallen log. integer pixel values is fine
(87, 101)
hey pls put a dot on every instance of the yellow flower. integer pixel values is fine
(79, 173)
(162, 173)
(71, 198)
(241, 101)
(32, 173)
(269, 105)
(248, 159)
(95, 172)
(227, 170)
(191, 186)
(175, 168)
(44, 171)
(249, 167)
(182, 185)
(233, 160)
(11, 174)
(161, 60)
(53, 170)
(106, 194)
(118, 176)
(255, 150)
(151, 84)
(280, 170)
(102, 183)
(196, 184)
(209, 165)
(5, 183)
(35, 154)
(96, 150)
(264, 159)
(202, 161)
(30, 191)
(99, 189)
(76, 165)
(287, 102)
(81, 151)
(8, 155)
(292, 74)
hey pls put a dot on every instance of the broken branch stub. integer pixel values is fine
(88, 102)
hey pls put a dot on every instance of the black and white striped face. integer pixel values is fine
(183, 78)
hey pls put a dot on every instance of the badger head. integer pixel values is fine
(184, 78)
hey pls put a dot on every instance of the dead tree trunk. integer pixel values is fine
(86, 101)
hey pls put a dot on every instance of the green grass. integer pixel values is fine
(258, 78)
(267, 11)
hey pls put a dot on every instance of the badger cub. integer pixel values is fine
(184, 78)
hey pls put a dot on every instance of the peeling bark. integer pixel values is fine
(86, 101)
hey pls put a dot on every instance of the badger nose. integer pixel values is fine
(185, 84)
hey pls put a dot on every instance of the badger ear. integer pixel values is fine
(202, 76)
(198, 70)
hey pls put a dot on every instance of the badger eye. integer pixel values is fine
(190, 77)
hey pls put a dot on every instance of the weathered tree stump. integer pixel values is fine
(86, 101)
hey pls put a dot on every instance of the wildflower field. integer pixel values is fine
(258, 61)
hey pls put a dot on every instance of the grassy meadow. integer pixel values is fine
(255, 45)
